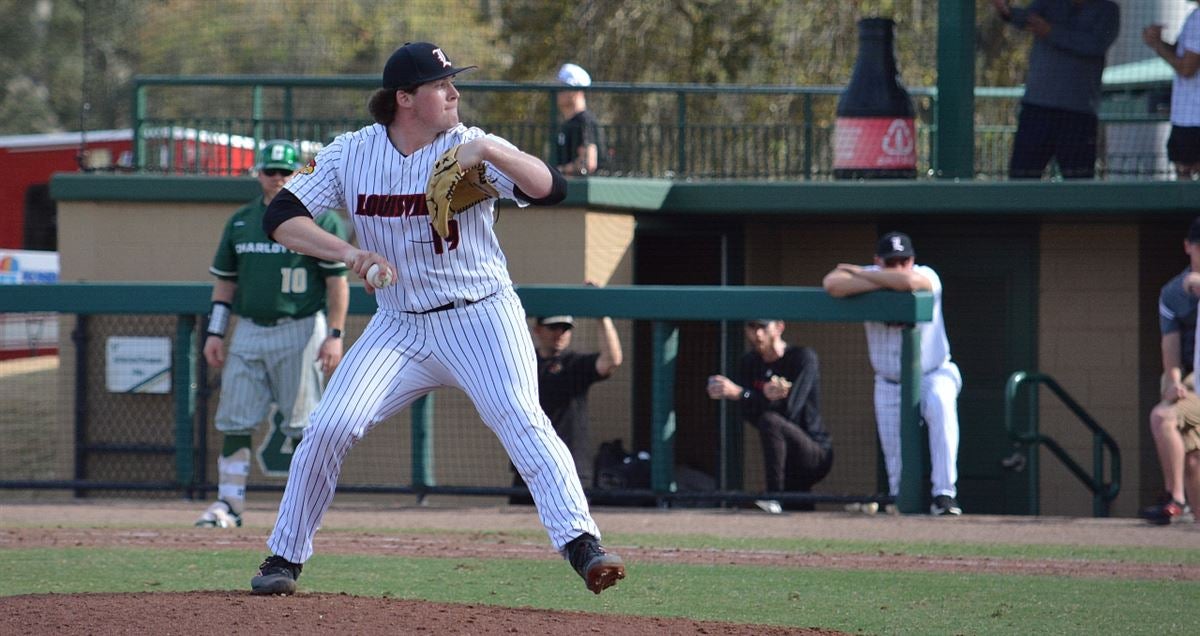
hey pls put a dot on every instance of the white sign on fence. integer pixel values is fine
(138, 364)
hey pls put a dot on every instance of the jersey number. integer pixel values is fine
(295, 280)
(451, 241)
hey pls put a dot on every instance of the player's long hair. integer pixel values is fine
(382, 105)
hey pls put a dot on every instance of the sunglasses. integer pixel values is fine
(276, 172)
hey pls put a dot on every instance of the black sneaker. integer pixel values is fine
(276, 575)
(944, 505)
(599, 569)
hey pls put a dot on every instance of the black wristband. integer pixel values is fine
(335, 333)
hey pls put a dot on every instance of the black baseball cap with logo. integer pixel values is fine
(417, 63)
(894, 245)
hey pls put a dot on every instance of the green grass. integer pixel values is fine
(853, 601)
(1126, 554)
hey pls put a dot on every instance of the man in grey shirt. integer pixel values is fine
(1062, 86)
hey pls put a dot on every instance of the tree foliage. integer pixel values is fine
(69, 63)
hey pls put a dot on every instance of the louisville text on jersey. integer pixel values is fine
(391, 205)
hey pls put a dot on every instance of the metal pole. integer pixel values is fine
(681, 124)
(185, 400)
(808, 136)
(80, 339)
(662, 424)
(422, 444)
(911, 436)
(139, 135)
(955, 101)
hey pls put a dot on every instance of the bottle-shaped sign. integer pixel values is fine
(875, 137)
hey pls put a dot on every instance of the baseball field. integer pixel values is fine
(119, 567)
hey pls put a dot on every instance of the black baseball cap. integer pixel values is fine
(894, 245)
(417, 63)
(1193, 235)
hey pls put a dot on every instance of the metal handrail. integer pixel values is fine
(680, 148)
(1102, 492)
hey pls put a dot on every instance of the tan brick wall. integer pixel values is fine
(801, 254)
(138, 241)
(1088, 342)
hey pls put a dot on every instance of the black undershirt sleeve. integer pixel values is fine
(284, 206)
(558, 189)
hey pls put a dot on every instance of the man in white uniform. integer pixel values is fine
(941, 382)
(452, 318)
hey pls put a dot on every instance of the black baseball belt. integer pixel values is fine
(454, 304)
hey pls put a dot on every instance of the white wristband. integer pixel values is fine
(218, 319)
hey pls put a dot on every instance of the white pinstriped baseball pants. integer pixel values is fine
(483, 349)
(939, 409)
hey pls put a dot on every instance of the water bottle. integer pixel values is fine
(874, 135)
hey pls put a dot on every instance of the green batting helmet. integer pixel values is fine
(279, 153)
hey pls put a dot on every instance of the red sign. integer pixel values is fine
(874, 142)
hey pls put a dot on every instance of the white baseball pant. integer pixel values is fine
(939, 410)
(483, 349)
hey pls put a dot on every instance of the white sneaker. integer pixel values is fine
(219, 515)
(769, 506)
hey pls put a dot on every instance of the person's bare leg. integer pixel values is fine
(1168, 441)
(1191, 472)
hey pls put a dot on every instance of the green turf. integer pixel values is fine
(853, 601)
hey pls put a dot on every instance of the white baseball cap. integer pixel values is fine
(574, 75)
(567, 321)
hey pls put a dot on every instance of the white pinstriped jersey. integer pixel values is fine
(384, 191)
(884, 340)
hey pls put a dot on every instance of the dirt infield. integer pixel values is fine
(362, 529)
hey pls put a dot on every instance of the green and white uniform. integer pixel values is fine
(280, 299)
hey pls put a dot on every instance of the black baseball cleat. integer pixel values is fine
(276, 575)
(600, 569)
(944, 505)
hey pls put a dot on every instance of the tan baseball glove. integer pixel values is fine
(452, 189)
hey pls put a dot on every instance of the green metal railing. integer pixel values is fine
(662, 305)
(697, 131)
(1103, 493)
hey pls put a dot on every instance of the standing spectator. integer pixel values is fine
(941, 381)
(281, 298)
(1175, 421)
(1183, 146)
(779, 392)
(580, 141)
(564, 379)
(1062, 86)
(452, 318)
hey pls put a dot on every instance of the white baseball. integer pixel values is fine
(379, 277)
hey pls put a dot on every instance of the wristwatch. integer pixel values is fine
(335, 333)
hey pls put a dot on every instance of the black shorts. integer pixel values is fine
(1184, 144)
